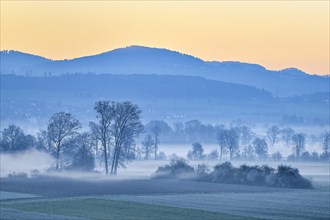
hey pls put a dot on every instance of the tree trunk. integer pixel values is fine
(58, 148)
(156, 149)
(104, 143)
(113, 160)
(117, 161)
(221, 153)
(231, 154)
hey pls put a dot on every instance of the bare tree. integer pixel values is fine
(12, 138)
(286, 135)
(43, 142)
(147, 144)
(156, 131)
(260, 147)
(198, 151)
(272, 134)
(127, 125)
(246, 135)
(228, 139)
(102, 129)
(298, 141)
(61, 126)
(248, 152)
(156, 128)
(325, 138)
(221, 141)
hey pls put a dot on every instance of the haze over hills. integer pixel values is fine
(167, 85)
(27, 99)
(145, 60)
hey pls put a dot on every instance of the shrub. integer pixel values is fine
(178, 168)
(277, 156)
(18, 175)
(35, 173)
(288, 177)
(291, 157)
(161, 156)
(223, 173)
(306, 156)
(83, 160)
(203, 172)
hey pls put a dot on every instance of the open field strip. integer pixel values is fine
(297, 204)
(61, 187)
(13, 195)
(103, 209)
(8, 214)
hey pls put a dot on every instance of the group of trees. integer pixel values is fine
(13, 139)
(112, 139)
(150, 144)
(238, 140)
(242, 143)
(117, 126)
(114, 133)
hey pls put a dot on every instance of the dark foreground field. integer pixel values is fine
(63, 187)
(61, 198)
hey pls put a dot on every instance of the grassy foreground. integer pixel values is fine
(109, 209)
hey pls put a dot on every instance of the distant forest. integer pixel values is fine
(171, 98)
(118, 136)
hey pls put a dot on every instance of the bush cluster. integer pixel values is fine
(283, 177)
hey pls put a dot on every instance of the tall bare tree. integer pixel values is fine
(286, 135)
(273, 134)
(325, 138)
(228, 139)
(246, 135)
(102, 129)
(156, 128)
(260, 147)
(298, 141)
(147, 144)
(126, 125)
(60, 127)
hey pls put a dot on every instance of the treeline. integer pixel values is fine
(114, 138)
(240, 143)
(235, 141)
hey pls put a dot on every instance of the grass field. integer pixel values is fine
(106, 198)
(297, 204)
(109, 209)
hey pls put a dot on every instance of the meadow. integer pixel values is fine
(139, 197)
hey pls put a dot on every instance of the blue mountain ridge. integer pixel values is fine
(145, 60)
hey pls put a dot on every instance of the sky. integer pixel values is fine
(275, 34)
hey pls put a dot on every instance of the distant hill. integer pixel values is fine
(145, 60)
(15, 62)
(164, 97)
(131, 87)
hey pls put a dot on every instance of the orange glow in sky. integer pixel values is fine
(275, 34)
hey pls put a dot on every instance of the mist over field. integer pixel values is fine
(24, 162)
(150, 130)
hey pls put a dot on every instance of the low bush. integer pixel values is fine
(284, 176)
(288, 177)
(35, 173)
(18, 175)
(178, 168)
